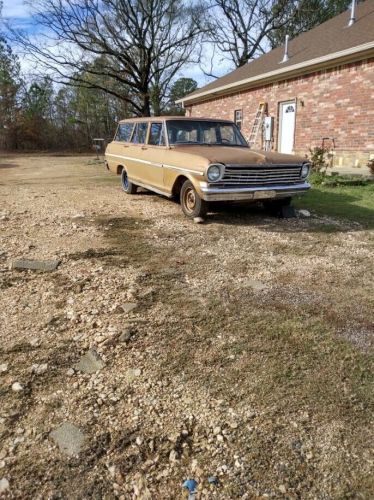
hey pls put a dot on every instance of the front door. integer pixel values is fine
(287, 114)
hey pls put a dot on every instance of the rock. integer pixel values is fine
(70, 372)
(17, 387)
(3, 367)
(304, 213)
(198, 220)
(36, 265)
(69, 438)
(128, 307)
(213, 480)
(4, 485)
(282, 488)
(90, 362)
(132, 374)
(125, 336)
(39, 369)
(141, 490)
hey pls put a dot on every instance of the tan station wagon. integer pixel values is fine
(201, 160)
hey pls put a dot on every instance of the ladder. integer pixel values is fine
(257, 123)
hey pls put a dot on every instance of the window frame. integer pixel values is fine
(146, 134)
(240, 137)
(162, 132)
(240, 110)
(118, 128)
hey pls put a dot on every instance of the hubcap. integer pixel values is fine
(189, 199)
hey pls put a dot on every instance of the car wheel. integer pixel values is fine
(127, 185)
(191, 203)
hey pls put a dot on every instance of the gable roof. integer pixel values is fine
(323, 46)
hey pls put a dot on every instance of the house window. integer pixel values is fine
(238, 117)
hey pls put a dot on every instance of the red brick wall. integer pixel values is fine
(335, 103)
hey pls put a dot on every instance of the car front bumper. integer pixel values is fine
(216, 193)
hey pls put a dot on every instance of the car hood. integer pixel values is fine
(238, 155)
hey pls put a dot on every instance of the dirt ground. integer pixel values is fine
(239, 350)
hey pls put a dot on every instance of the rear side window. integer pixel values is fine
(156, 135)
(124, 132)
(140, 133)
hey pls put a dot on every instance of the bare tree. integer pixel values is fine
(240, 28)
(131, 49)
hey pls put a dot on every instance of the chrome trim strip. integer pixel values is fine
(173, 167)
(294, 188)
(151, 188)
(160, 165)
(264, 165)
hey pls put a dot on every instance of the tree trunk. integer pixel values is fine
(146, 104)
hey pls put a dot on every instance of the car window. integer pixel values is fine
(156, 135)
(140, 133)
(124, 132)
(204, 132)
(228, 134)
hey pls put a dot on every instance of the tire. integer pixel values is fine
(127, 185)
(191, 203)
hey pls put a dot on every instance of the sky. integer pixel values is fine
(14, 8)
(18, 15)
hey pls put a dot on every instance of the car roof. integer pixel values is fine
(167, 118)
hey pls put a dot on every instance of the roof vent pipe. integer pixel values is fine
(353, 12)
(285, 57)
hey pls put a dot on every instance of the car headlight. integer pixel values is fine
(305, 170)
(215, 172)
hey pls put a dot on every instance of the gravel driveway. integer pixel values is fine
(237, 352)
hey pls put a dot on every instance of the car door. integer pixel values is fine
(136, 154)
(155, 153)
(116, 151)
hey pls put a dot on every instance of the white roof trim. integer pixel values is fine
(282, 71)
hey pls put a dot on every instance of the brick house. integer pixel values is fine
(323, 89)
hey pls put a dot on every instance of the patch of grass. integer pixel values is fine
(353, 203)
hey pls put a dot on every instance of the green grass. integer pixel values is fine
(353, 203)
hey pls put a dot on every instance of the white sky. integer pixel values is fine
(15, 8)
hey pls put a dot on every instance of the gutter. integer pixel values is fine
(272, 75)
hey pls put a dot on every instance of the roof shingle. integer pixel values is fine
(328, 38)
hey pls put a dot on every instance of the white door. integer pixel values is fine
(287, 114)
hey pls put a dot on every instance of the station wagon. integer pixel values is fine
(201, 161)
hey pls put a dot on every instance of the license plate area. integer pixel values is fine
(261, 195)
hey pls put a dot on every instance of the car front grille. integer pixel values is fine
(261, 175)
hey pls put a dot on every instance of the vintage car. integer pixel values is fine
(201, 160)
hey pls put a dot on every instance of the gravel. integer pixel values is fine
(160, 351)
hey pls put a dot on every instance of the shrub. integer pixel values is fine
(318, 159)
(371, 166)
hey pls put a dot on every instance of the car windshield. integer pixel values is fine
(204, 132)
